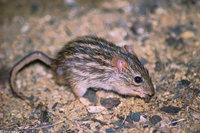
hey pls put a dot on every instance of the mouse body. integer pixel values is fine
(92, 62)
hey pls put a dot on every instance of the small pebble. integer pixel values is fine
(143, 61)
(165, 130)
(185, 82)
(135, 116)
(196, 91)
(34, 7)
(187, 35)
(171, 109)
(91, 95)
(176, 96)
(155, 119)
(110, 130)
(157, 66)
(61, 110)
(86, 118)
(95, 109)
(109, 103)
(97, 127)
(31, 97)
(170, 40)
(155, 131)
(146, 124)
(165, 102)
(129, 120)
(70, 2)
(119, 123)
(140, 28)
(44, 117)
(25, 28)
(147, 7)
(107, 116)
(178, 43)
(31, 117)
(178, 29)
(1, 115)
(143, 119)
(54, 106)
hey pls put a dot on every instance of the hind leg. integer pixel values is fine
(79, 92)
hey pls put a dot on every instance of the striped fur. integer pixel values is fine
(86, 62)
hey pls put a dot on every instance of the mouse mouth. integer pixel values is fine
(143, 94)
(138, 93)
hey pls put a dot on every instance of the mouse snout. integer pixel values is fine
(149, 95)
(147, 99)
(150, 89)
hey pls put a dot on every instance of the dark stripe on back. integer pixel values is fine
(100, 45)
(86, 60)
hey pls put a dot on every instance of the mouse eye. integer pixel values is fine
(138, 79)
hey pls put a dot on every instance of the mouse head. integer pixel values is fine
(132, 77)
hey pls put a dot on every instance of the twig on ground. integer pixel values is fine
(45, 126)
(176, 121)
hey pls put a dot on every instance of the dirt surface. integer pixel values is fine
(165, 36)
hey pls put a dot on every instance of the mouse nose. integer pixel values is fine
(149, 95)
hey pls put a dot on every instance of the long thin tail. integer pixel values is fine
(32, 57)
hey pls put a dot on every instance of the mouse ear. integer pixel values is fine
(120, 63)
(129, 49)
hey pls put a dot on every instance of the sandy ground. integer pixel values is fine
(164, 34)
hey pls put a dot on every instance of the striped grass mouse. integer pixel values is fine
(92, 62)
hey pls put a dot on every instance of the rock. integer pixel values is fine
(178, 43)
(107, 116)
(146, 124)
(176, 96)
(143, 61)
(158, 66)
(91, 95)
(34, 7)
(185, 82)
(70, 2)
(171, 109)
(44, 117)
(140, 28)
(25, 28)
(178, 29)
(187, 35)
(54, 106)
(31, 97)
(95, 109)
(147, 7)
(118, 33)
(164, 130)
(155, 119)
(110, 130)
(119, 123)
(196, 91)
(135, 116)
(1, 115)
(109, 103)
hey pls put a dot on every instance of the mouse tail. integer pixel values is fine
(32, 57)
